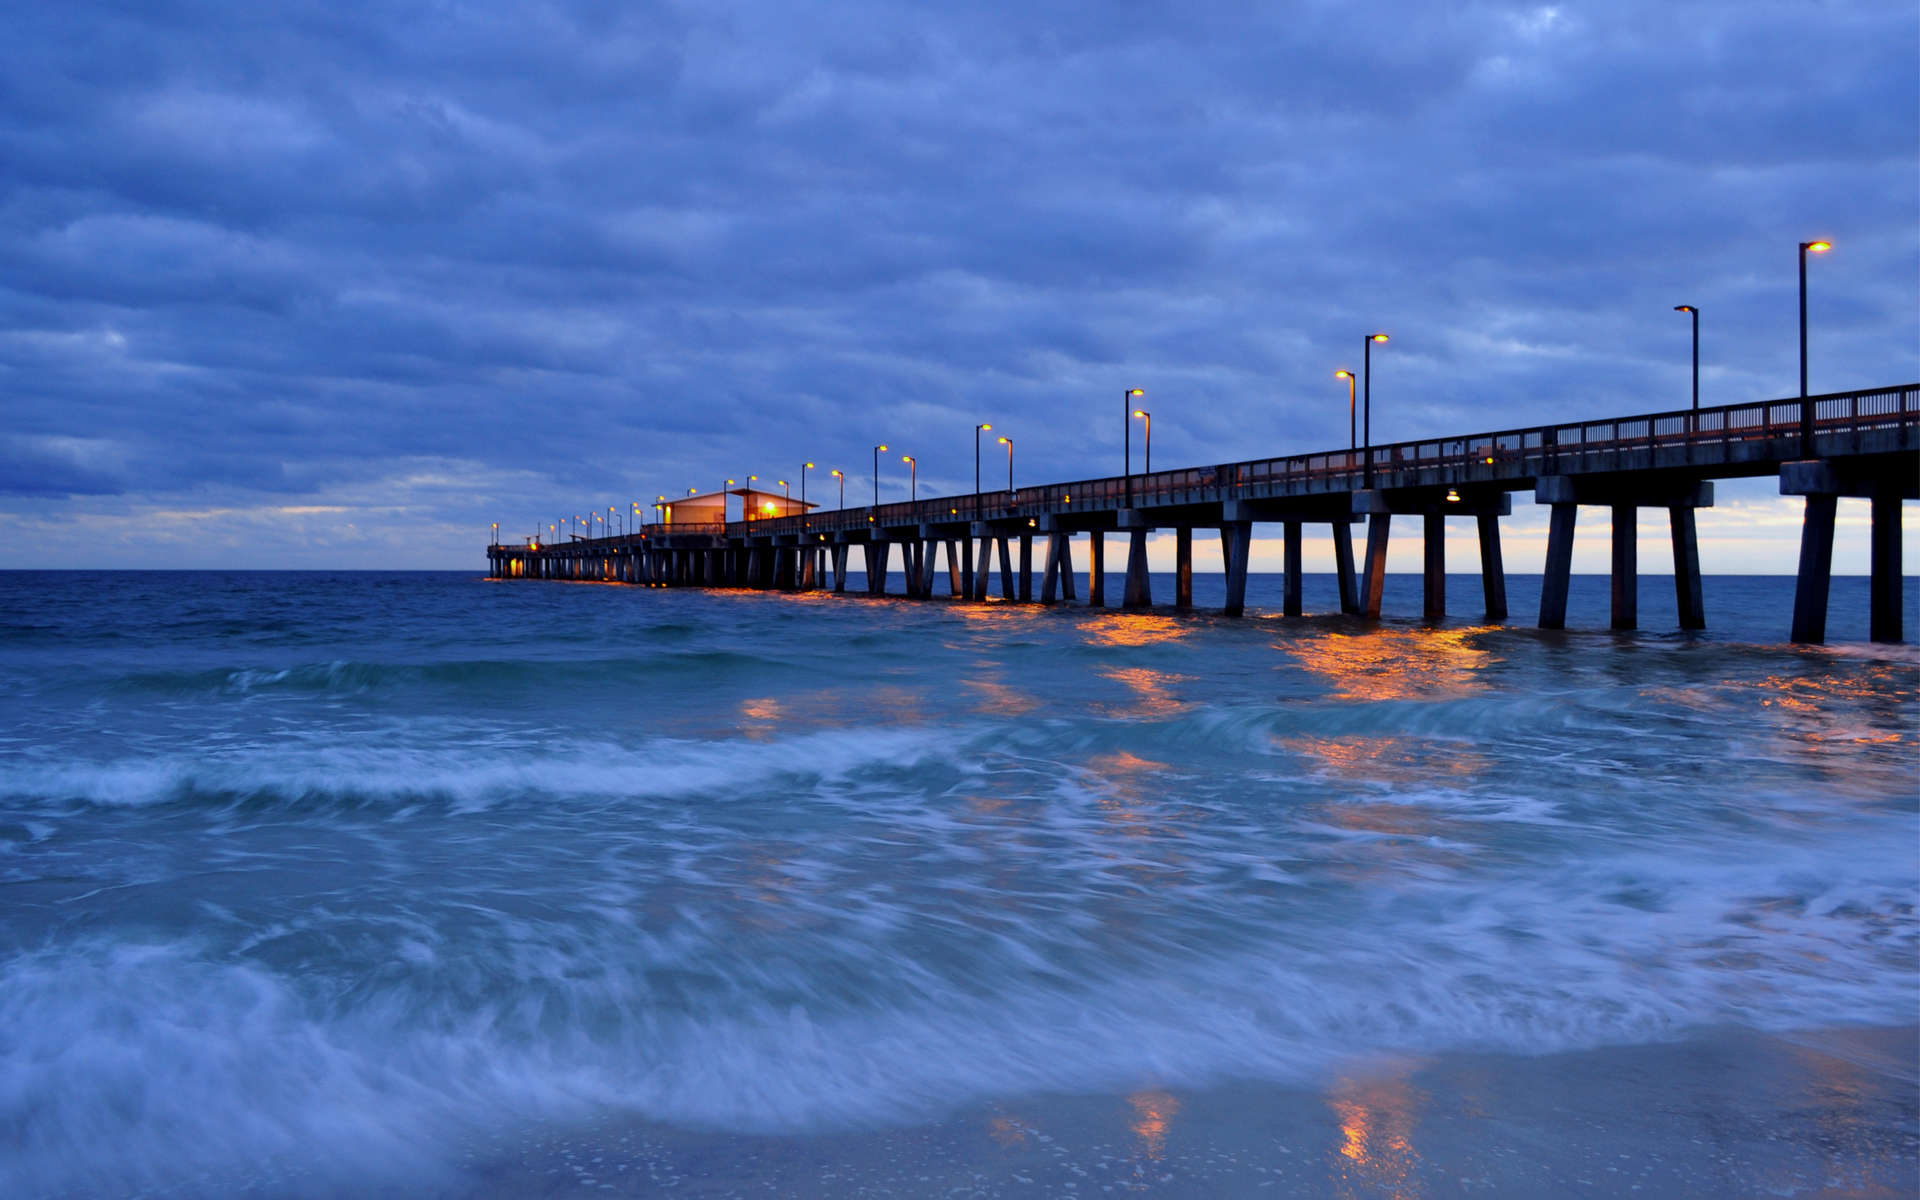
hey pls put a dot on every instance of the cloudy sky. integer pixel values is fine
(324, 283)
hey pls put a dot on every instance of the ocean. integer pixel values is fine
(419, 884)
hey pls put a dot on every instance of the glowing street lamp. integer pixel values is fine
(913, 477)
(1806, 405)
(1126, 407)
(803, 484)
(976, 469)
(842, 477)
(1148, 417)
(1353, 427)
(1008, 443)
(1366, 398)
(1688, 308)
(876, 475)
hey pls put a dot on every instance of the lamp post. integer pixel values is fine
(1353, 426)
(1366, 397)
(1688, 308)
(1008, 443)
(723, 504)
(913, 478)
(876, 475)
(1126, 407)
(1806, 405)
(842, 477)
(976, 469)
(803, 484)
(1148, 417)
(496, 533)
(786, 503)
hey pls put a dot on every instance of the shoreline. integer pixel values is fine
(1821, 1112)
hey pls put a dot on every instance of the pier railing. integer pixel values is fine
(1731, 436)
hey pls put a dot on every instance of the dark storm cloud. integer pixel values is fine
(623, 248)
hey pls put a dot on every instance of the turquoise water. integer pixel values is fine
(364, 875)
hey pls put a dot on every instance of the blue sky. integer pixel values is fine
(339, 284)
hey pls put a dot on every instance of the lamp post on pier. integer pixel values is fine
(1008, 443)
(1148, 417)
(876, 475)
(1366, 416)
(1688, 308)
(1806, 405)
(803, 484)
(913, 478)
(1353, 418)
(1126, 421)
(842, 477)
(976, 469)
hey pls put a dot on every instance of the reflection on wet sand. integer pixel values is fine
(1376, 1157)
(1392, 664)
(1153, 1111)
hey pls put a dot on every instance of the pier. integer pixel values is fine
(1862, 444)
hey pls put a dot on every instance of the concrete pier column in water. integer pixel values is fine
(1097, 569)
(1139, 590)
(1686, 569)
(1343, 567)
(1626, 566)
(1373, 574)
(1493, 572)
(1557, 576)
(1238, 538)
(1183, 567)
(1290, 564)
(1885, 620)
(1433, 589)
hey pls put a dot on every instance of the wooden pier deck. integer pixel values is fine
(1858, 444)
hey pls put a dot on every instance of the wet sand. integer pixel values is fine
(1828, 1113)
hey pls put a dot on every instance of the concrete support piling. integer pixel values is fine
(1626, 566)
(1686, 569)
(1290, 584)
(1050, 574)
(1885, 622)
(1097, 570)
(1026, 568)
(1433, 573)
(1139, 589)
(1816, 570)
(1373, 575)
(1006, 568)
(1238, 537)
(1343, 567)
(1183, 567)
(1493, 572)
(1558, 575)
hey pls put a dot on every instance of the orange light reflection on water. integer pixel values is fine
(1153, 693)
(1133, 629)
(1394, 664)
(1000, 699)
